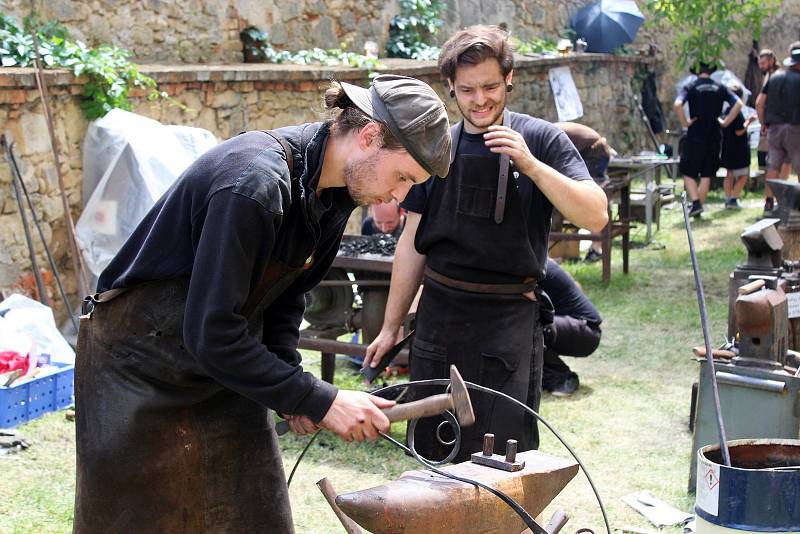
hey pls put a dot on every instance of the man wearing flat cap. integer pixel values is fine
(191, 339)
(778, 108)
(479, 240)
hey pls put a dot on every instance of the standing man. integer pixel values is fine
(192, 337)
(778, 108)
(385, 218)
(768, 65)
(700, 154)
(480, 239)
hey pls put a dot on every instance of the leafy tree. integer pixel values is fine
(705, 27)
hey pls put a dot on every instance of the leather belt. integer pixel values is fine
(473, 287)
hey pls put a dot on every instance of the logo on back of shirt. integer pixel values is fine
(705, 88)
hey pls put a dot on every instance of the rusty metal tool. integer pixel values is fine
(701, 301)
(456, 400)
(370, 373)
(488, 458)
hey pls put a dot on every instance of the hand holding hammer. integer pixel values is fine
(349, 417)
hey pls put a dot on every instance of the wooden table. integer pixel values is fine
(619, 226)
(648, 168)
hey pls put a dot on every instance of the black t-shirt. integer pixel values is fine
(735, 148)
(219, 224)
(566, 296)
(706, 98)
(548, 144)
(783, 102)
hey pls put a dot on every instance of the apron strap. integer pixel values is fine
(473, 287)
(502, 179)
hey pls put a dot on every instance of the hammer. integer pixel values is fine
(457, 401)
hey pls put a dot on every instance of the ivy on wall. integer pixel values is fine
(110, 74)
(258, 49)
(412, 31)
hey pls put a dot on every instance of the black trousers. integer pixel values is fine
(494, 341)
(573, 337)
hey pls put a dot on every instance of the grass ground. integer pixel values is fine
(628, 422)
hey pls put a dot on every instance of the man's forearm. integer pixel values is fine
(678, 107)
(732, 114)
(761, 106)
(582, 202)
(407, 269)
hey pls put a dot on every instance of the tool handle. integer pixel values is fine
(427, 407)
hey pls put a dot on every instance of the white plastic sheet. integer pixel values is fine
(28, 326)
(129, 161)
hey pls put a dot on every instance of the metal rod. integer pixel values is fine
(77, 259)
(50, 260)
(701, 301)
(16, 179)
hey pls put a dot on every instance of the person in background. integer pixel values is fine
(596, 154)
(385, 218)
(735, 153)
(768, 65)
(574, 330)
(700, 153)
(778, 108)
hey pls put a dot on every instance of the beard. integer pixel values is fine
(356, 176)
(485, 123)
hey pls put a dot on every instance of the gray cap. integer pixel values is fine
(413, 112)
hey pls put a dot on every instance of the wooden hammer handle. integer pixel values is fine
(429, 406)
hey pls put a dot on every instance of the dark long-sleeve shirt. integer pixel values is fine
(220, 223)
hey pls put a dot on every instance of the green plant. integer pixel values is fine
(704, 27)
(536, 46)
(257, 45)
(410, 31)
(110, 75)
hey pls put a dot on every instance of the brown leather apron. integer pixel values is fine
(161, 446)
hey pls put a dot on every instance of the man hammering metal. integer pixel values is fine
(479, 237)
(191, 339)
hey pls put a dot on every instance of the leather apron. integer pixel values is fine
(161, 446)
(494, 338)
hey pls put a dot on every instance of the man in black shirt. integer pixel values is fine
(575, 330)
(193, 334)
(778, 108)
(480, 239)
(700, 155)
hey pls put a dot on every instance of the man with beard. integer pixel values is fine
(779, 123)
(192, 338)
(480, 239)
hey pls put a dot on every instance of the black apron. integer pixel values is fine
(494, 339)
(161, 446)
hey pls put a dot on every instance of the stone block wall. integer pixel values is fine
(230, 99)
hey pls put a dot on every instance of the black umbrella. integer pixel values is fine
(608, 24)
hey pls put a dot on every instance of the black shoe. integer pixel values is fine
(593, 256)
(696, 209)
(732, 204)
(770, 207)
(564, 387)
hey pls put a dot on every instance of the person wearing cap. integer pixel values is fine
(191, 340)
(479, 239)
(778, 108)
(699, 159)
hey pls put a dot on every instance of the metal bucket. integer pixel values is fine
(760, 492)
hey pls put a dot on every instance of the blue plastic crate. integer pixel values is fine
(27, 401)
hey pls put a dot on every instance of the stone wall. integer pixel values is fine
(227, 100)
(207, 31)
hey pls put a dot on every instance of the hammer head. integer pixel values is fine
(462, 405)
